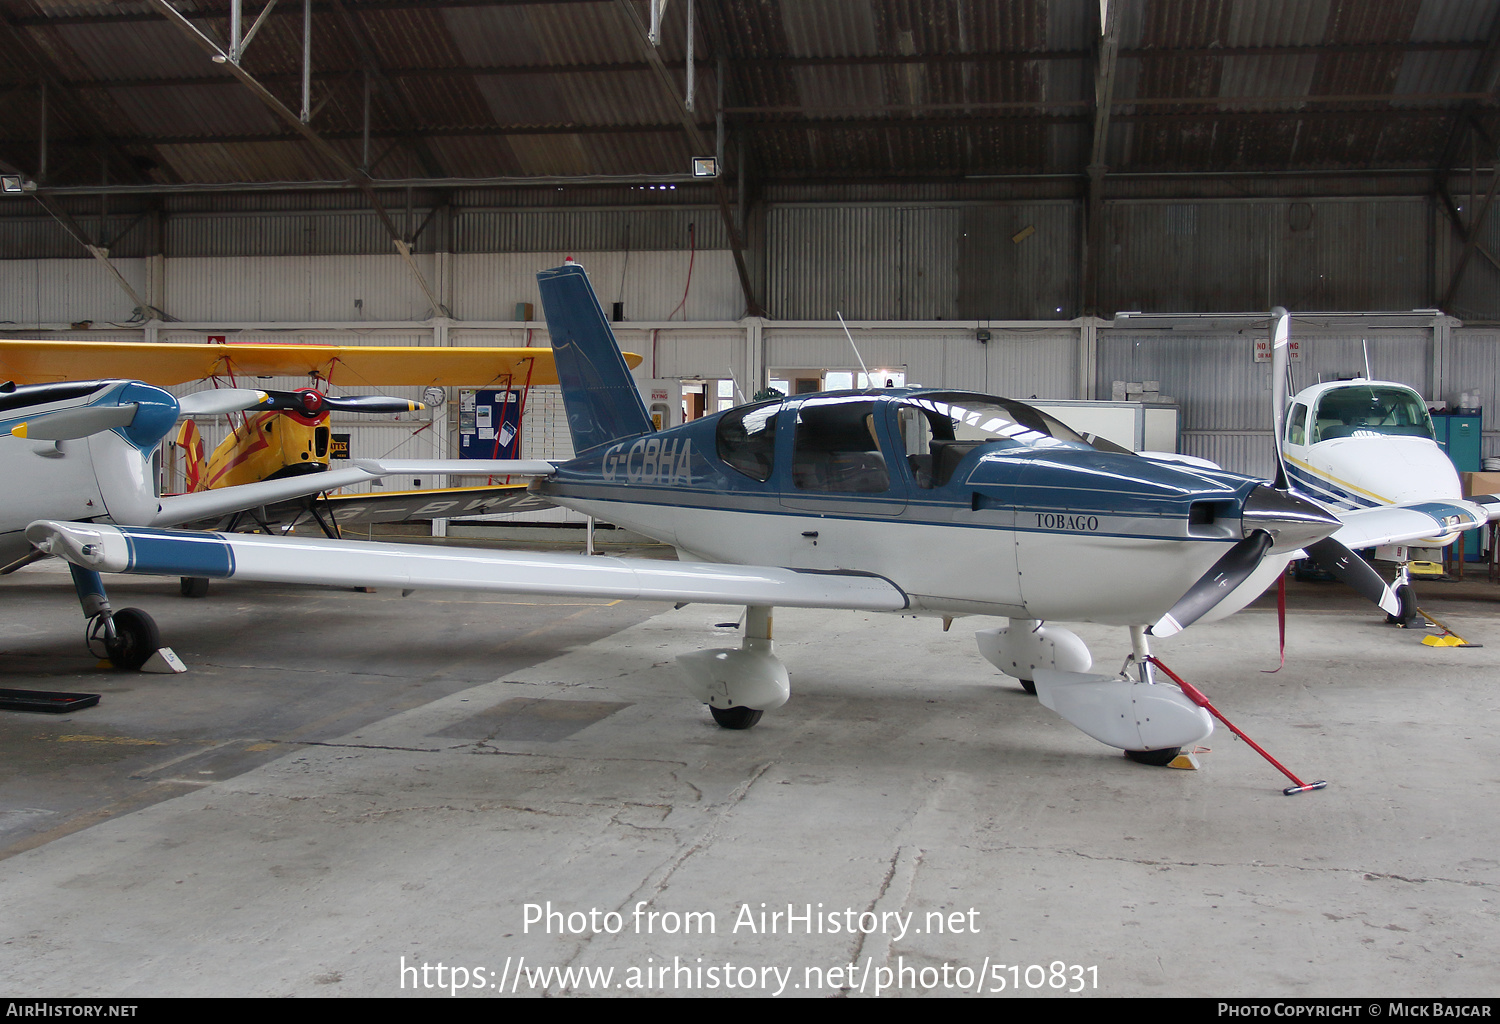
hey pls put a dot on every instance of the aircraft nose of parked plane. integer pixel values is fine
(1291, 521)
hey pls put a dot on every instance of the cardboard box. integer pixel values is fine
(1480, 483)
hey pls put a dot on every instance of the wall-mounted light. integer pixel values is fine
(982, 336)
(705, 167)
(14, 184)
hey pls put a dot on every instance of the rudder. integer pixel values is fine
(604, 405)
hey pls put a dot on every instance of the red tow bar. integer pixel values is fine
(1196, 696)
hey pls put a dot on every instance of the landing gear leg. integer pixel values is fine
(129, 636)
(1141, 649)
(1408, 616)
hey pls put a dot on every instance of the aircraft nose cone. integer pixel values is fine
(1293, 522)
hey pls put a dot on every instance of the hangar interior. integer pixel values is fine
(979, 188)
(925, 171)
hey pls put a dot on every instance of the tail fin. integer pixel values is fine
(190, 442)
(603, 403)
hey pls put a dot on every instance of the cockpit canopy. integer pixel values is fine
(837, 445)
(1360, 410)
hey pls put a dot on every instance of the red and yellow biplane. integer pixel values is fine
(289, 434)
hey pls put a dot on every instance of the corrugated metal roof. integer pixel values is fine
(815, 91)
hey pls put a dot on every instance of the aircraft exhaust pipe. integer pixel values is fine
(1292, 522)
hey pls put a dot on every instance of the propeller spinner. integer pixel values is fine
(1271, 520)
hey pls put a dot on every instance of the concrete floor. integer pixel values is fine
(348, 790)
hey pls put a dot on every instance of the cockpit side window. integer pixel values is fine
(837, 448)
(1296, 425)
(746, 439)
(950, 426)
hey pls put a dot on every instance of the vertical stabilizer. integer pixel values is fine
(604, 405)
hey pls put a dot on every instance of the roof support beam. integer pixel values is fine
(390, 92)
(1104, 91)
(1449, 207)
(59, 95)
(358, 177)
(701, 147)
(1476, 228)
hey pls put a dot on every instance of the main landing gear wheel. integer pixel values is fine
(735, 718)
(1156, 758)
(194, 586)
(1408, 616)
(136, 639)
(1029, 685)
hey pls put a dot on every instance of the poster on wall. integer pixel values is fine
(489, 424)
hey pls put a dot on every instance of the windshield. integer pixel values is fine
(1371, 410)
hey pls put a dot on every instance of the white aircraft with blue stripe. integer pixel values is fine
(1364, 444)
(90, 451)
(912, 501)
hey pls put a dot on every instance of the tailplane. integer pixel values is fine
(604, 405)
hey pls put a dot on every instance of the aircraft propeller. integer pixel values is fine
(1348, 567)
(312, 402)
(1330, 555)
(1270, 518)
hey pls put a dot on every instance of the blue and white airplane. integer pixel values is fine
(90, 451)
(906, 500)
(1367, 444)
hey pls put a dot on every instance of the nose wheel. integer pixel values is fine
(1408, 617)
(129, 637)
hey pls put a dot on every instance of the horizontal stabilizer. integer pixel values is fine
(410, 566)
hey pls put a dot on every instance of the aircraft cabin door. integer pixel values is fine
(842, 475)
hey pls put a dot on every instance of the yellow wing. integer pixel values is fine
(37, 362)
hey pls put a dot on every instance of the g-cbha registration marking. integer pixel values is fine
(1066, 521)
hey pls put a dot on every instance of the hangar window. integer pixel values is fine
(746, 439)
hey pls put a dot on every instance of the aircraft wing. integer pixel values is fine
(1435, 522)
(365, 563)
(391, 507)
(177, 509)
(36, 362)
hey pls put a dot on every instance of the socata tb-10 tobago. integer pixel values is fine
(906, 500)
